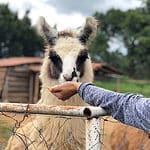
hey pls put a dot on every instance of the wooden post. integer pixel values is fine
(31, 87)
(118, 85)
(36, 88)
(5, 89)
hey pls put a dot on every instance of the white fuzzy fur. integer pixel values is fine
(61, 133)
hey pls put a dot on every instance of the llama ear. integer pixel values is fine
(47, 32)
(89, 30)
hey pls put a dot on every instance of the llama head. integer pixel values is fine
(66, 55)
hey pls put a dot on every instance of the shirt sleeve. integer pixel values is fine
(131, 109)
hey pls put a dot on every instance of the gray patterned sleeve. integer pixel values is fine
(131, 109)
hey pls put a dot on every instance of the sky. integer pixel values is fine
(68, 13)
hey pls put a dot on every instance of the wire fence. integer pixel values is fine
(64, 117)
(33, 126)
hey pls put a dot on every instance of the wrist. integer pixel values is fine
(76, 85)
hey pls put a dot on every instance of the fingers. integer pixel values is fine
(50, 89)
(63, 91)
(59, 95)
(55, 92)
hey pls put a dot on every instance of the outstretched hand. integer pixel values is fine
(65, 90)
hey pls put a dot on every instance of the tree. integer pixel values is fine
(17, 36)
(136, 38)
(133, 26)
(109, 27)
(98, 48)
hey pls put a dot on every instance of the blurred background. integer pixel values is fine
(121, 47)
(120, 52)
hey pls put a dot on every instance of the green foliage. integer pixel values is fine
(99, 47)
(133, 26)
(114, 19)
(17, 36)
(110, 26)
(136, 39)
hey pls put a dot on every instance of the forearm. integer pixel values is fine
(128, 108)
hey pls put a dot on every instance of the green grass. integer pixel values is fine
(5, 130)
(127, 86)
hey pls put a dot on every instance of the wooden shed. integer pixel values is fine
(103, 71)
(18, 81)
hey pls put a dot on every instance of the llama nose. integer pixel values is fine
(67, 77)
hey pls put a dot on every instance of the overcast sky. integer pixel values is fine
(67, 13)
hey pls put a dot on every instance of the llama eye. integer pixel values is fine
(83, 55)
(55, 58)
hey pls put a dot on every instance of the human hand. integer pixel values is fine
(65, 90)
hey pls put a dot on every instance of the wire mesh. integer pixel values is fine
(29, 131)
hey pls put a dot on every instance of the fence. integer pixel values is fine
(89, 113)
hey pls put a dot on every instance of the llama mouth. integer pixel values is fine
(75, 79)
(74, 75)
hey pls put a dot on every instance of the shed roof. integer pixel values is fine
(13, 61)
(105, 68)
(96, 65)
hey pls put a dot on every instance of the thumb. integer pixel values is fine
(54, 89)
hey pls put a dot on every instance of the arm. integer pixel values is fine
(130, 109)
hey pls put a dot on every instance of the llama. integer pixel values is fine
(66, 59)
(129, 138)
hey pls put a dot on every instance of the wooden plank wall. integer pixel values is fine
(2, 80)
(17, 85)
